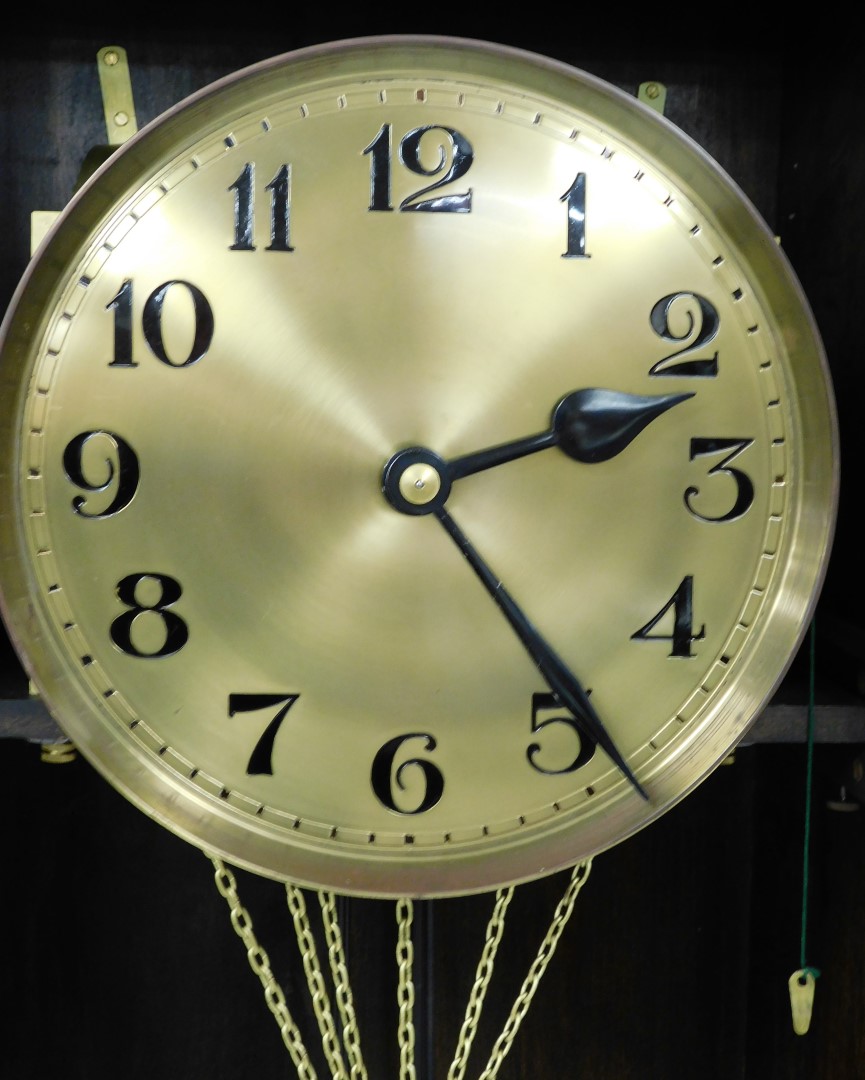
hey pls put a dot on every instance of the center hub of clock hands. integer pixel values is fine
(590, 425)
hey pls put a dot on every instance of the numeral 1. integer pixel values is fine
(575, 199)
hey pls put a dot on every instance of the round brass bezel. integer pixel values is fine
(736, 687)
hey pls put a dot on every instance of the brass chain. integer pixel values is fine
(495, 929)
(275, 998)
(405, 988)
(315, 982)
(260, 964)
(339, 972)
(561, 915)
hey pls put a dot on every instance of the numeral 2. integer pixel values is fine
(698, 325)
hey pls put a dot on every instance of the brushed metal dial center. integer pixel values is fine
(419, 483)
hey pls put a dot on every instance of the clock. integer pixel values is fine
(419, 467)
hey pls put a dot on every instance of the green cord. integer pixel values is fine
(808, 784)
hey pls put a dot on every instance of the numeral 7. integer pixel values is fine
(261, 758)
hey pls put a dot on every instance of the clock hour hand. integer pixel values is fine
(588, 425)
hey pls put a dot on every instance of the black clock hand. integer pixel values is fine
(561, 680)
(416, 481)
(589, 425)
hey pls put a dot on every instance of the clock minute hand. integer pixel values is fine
(589, 425)
(561, 680)
(416, 481)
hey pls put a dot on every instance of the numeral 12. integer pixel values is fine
(454, 147)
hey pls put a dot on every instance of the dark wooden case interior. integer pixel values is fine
(119, 957)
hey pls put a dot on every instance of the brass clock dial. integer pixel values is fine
(419, 467)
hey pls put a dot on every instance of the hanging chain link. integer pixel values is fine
(495, 929)
(275, 998)
(315, 982)
(339, 972)
(260, 964)
(405, 988)
(562, 913)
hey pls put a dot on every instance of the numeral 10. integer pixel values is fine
(152, 324)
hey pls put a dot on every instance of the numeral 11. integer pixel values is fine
(244, 209)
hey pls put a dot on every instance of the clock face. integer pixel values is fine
(420, 467)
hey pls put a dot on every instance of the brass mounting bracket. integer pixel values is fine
(653, 94)
(120, 123)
